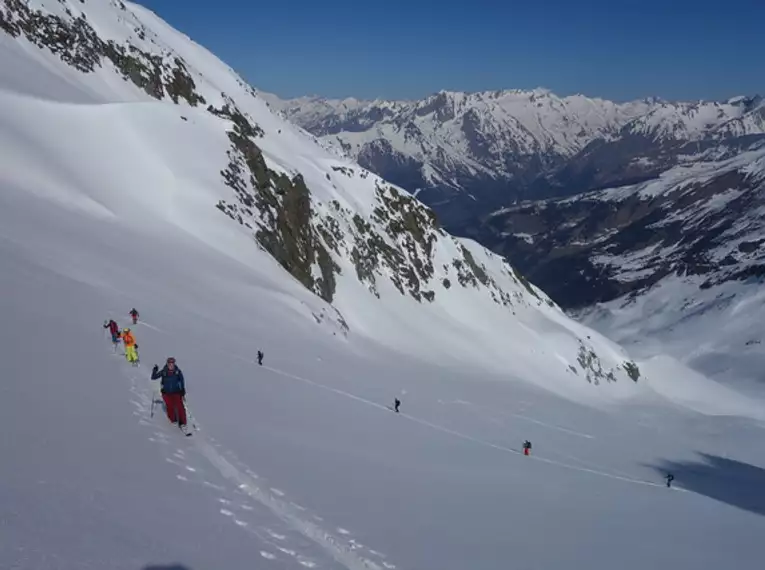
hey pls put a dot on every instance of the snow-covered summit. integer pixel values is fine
(694, 121)
(471, 153)
(538, 119)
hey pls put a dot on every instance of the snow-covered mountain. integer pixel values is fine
(525, 174)
(345, 234)
(136, 169)
(688, 245)
(467, 154)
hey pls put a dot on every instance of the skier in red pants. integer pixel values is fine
(173, 391)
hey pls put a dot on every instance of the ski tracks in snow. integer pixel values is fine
(338, 545)
(250, 497)
(150, 326)
(523, 417)
(288, 512)
(599, 472)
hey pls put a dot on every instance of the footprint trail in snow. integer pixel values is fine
(341, 547)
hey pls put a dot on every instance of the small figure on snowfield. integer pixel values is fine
(669, 477)
(396, 404)
(131, 352)
(260, 357)
(133, 313)
(114, 329)
(526, 447)
(173, 388)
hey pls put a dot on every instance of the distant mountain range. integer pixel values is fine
(468, 154)
(501, 166)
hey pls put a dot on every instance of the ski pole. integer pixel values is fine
(189, 414)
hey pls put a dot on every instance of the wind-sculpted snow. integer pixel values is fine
(232, 231)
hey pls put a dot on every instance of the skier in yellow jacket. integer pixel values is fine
(130, 346)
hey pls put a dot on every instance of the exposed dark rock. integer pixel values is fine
(78, 45)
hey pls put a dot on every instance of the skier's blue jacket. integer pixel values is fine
(172, 382)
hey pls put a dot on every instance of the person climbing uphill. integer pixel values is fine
(260, 357)
(130, 346)
(133, 313)
(173, 388)
(526, 447)
(396, 404)
(114, 330)
(669, 477)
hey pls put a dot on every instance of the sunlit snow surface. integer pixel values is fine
(106, 202)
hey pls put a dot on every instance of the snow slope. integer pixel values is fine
(108, 202)
(378, 242)
(716, 331)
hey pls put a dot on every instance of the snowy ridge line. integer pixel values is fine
(459, 434)
(247, 485)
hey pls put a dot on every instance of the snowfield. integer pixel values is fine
(107, 201)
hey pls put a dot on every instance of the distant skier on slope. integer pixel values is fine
(133, 313)
(173, 388)
(669, 477)
(260, 357)
(131, 346)
(526, 447)
(396, 404)
(114, 330)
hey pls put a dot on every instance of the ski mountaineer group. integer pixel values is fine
(173, 385)
(126, 335)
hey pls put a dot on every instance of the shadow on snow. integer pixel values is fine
(726, 480)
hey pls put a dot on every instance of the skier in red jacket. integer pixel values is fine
(113, 329)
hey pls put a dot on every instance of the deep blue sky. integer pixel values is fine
(618, 49)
